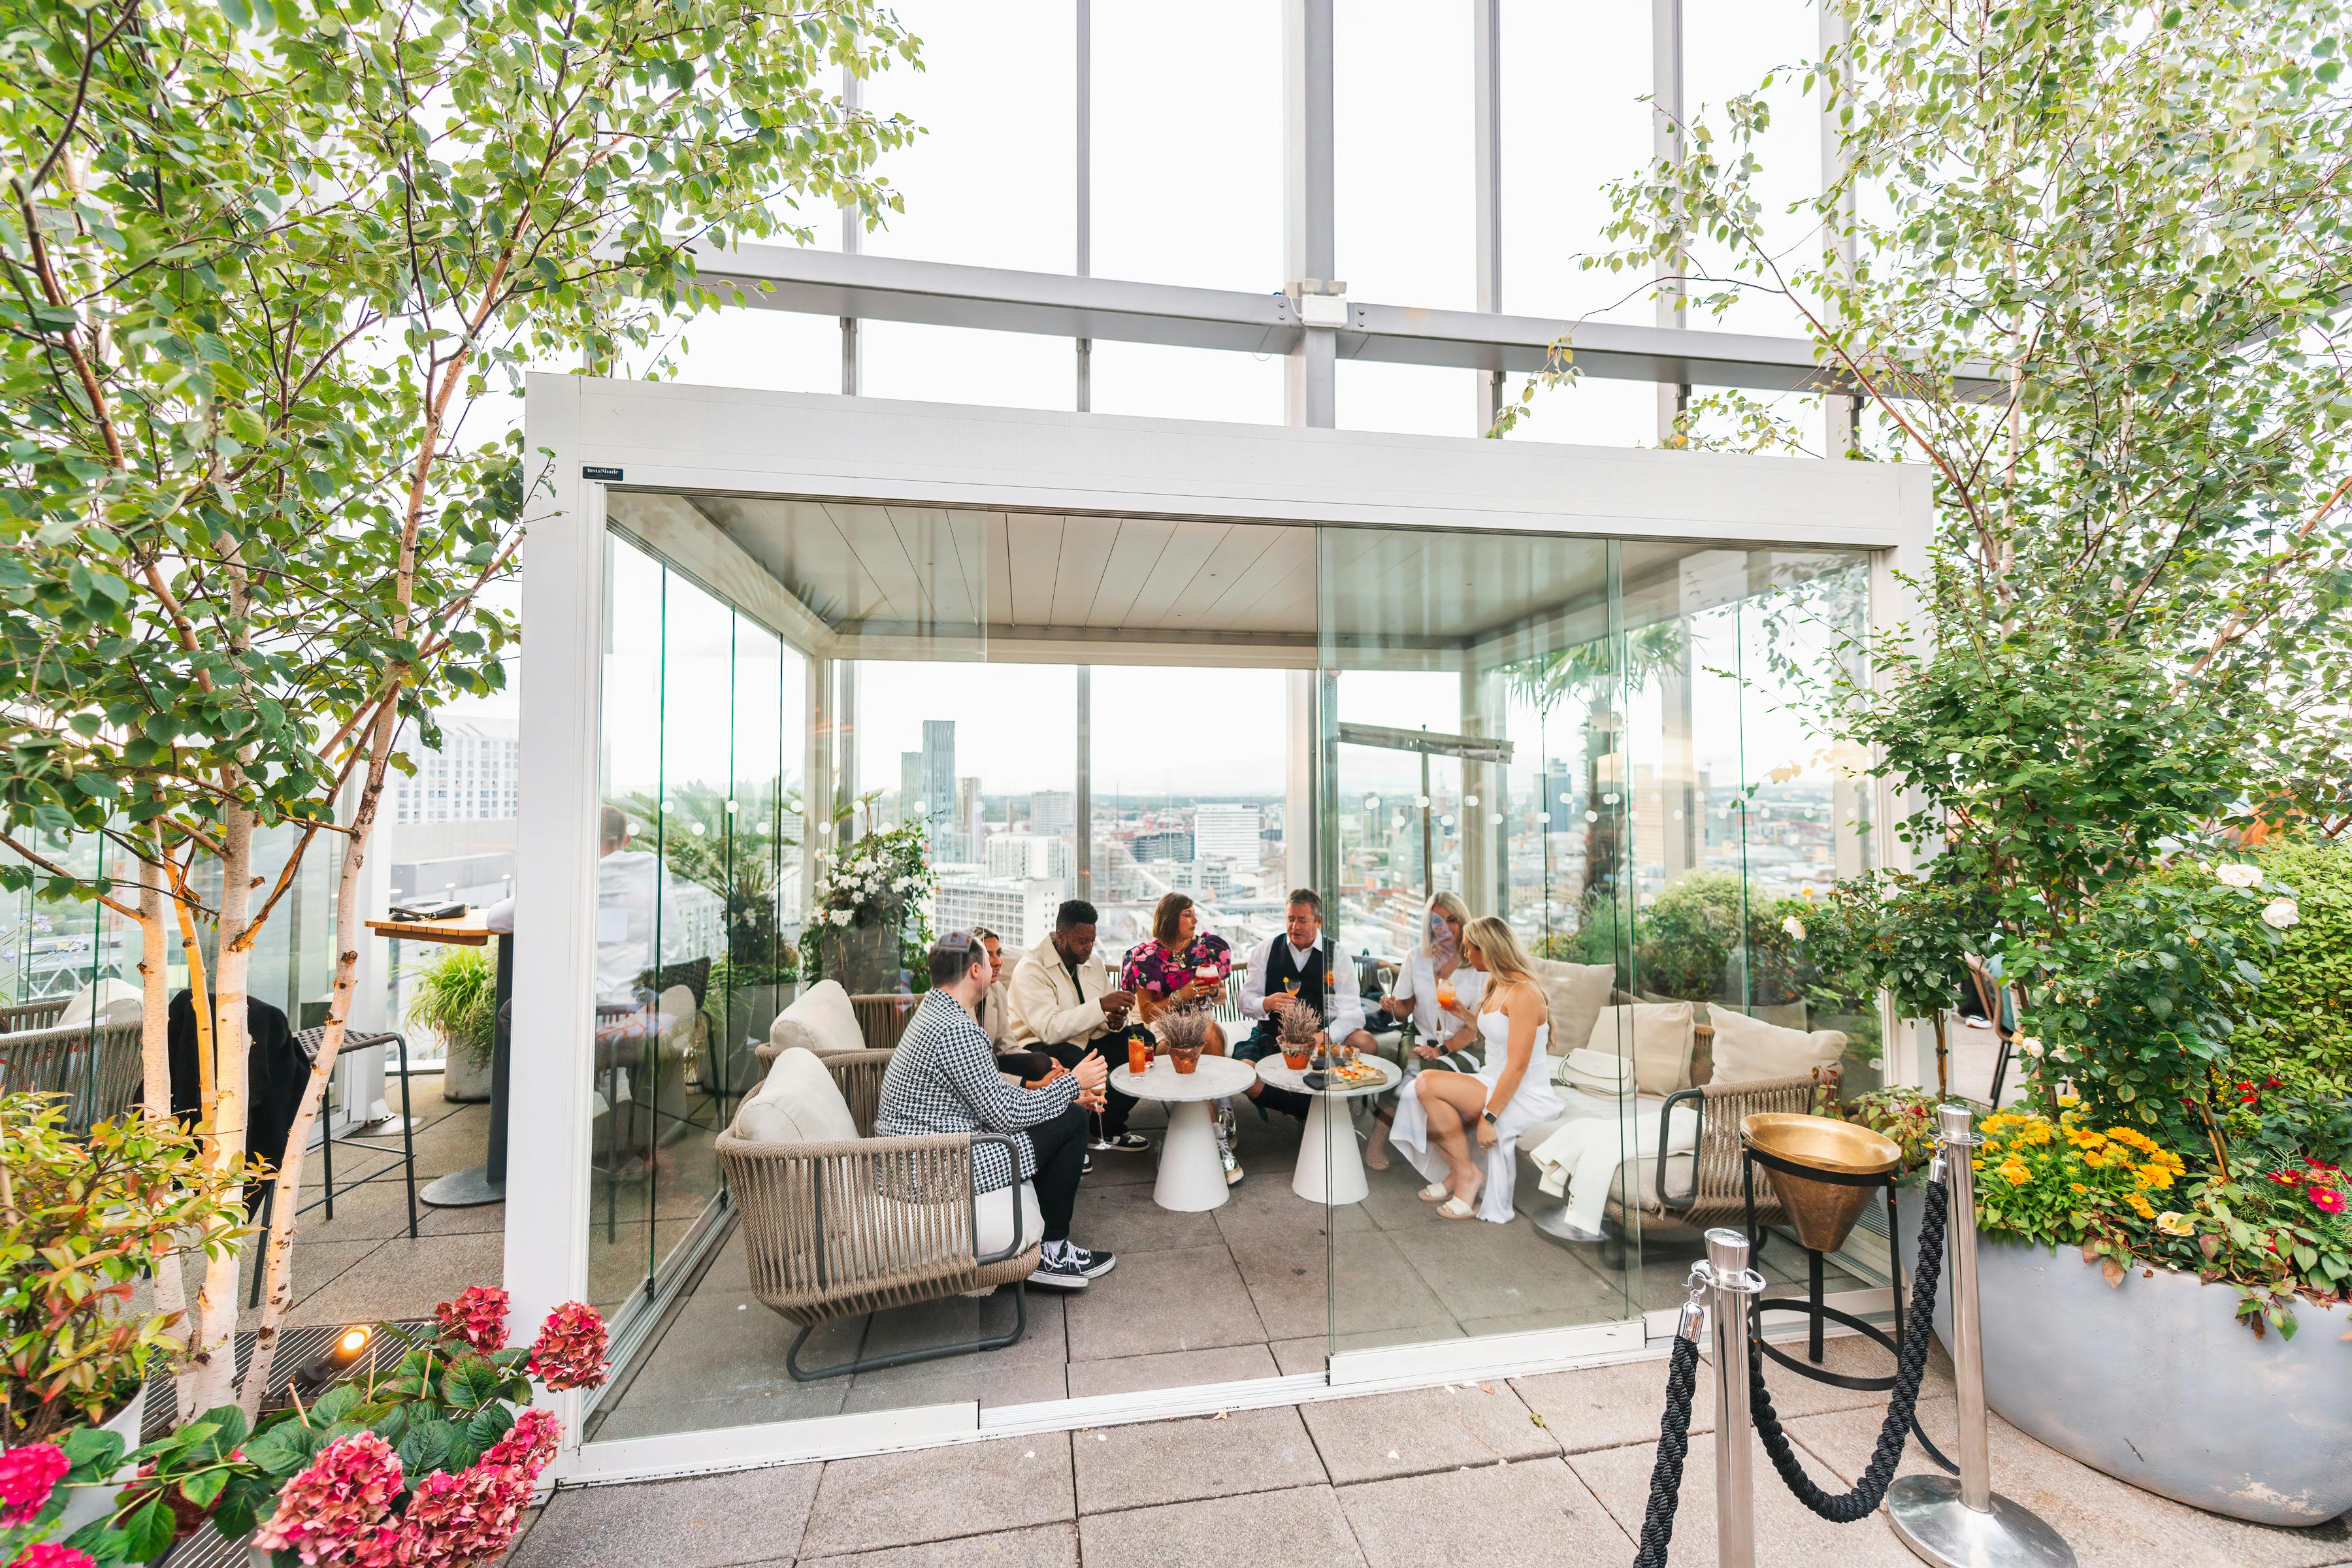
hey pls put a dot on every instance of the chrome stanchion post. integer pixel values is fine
(1731, 1286)
(1965, 1524)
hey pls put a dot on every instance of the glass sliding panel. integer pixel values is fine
(1475, 681)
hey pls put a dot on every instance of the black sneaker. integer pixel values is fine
(1093, 1264)
(1069, 1274)
(1125, 1143)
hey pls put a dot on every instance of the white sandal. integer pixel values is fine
(1455, 1208)
(1436, 1193)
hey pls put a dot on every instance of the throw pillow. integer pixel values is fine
(820, 1019)
(1575, 992)
(799, 1103)
(1749, 1050)
(1659, 1035)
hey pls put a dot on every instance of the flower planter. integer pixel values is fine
(463, 1082)
(864, 958)
(86, 1504)
(2156, 1383)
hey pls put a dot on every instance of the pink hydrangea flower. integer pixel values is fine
(528, 1444)
(27, 1476)
(569, 1349)
(479, 1316)
(49, 1554)
(334, 1513)
(465, 1520)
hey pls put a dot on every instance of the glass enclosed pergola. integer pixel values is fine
(1554, 680)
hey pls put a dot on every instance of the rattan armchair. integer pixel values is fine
(18, 1017)
(882, 1019)
(1711, 1193)
(98, 1068)
(839, 1229)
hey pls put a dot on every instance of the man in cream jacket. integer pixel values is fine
(1063, 1004)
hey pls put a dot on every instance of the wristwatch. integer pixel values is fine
(1487, 1117)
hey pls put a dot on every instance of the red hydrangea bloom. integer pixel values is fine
(335, 1511)
(27, 1476)
(49, 1554)
(465, 1520)
(569, 1349)
(528, 1444)
(479, 1317)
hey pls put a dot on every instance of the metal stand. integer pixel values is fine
(1963, 1523)
(487, 1183)
(1731, 1287)
(1813, 1309)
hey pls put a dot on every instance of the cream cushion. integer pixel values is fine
(798, 1103)
(1575, 993)
(820, 1019)
(1659, 1033)
(1749, 1050)
(991, 1217)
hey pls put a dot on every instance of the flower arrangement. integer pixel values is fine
(425, 1464)
(1301, 1027)
(85, 1215)
(2127, 1202)
(1907, 1116)
(879, 879)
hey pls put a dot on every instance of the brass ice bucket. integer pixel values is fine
(1821, 1213)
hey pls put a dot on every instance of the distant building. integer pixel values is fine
(967, 809)
(1053, 812)
(1028, 856)
(1165, 844)
(911, 803)
(472, 777)
(1018, 908)
(1226, 833)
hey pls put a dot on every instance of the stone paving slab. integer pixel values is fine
(1265, 1529)
(1391, 1435)
(937, 1494)
(1183, 1461)
(1044, 1546)
(1172, 1369)
(1538, 1514)
(2108, 1523)
(1788, 1534)
(708, 1521)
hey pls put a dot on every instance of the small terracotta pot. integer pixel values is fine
(1185, 1057)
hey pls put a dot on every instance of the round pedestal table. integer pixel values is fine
(1330, 1167)
(1191, 1177)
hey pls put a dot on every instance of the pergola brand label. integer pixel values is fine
(590, 471)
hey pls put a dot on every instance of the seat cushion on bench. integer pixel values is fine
(1749, 1050)
(820, 1020)
(798, 1103)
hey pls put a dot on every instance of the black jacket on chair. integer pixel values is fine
(274, 1071)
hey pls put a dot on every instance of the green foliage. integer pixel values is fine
(1700, 940)
(2148, 990)
(708, 838)
(1907, 1116)
(2295, 1026)
(84, 1218)
(456, 998)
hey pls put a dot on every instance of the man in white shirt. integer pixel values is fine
(1300, 967)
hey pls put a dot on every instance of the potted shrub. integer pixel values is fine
(421, 1451)
(867, 903)
(82, 1217)
(456, 998)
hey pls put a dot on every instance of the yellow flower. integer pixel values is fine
(2092, 1159)
(2155, 1176)
(2140, 1205)
(2078, 1186)
(2069, 1102)
(2014, 1170)
(2176, 1224)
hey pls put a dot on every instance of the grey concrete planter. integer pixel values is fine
(2155, 1382)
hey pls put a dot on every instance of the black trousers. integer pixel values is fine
(1257, 1046)
(1112, 1048)
(1061, 1146)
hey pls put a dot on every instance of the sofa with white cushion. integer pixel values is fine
(838, 1222)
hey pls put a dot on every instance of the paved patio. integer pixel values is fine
(1259, 1288)
(1545, 1470)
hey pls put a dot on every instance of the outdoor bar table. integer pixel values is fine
(485, 1183)
(1330, 1167)
(1191, 1177)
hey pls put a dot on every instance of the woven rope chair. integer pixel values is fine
(22, 1016)
(1713, 1195)
(882, 1019)
(837, 1230)
(98, 1069)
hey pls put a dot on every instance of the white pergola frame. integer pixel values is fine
(669, 438)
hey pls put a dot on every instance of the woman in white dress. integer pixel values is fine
(1462, 1130)
(1441, 1030)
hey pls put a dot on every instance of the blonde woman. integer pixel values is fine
(1462, 1130)
(1446, 1031)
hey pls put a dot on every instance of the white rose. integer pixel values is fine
(2028, 1045)
(2238, 874)
(1794, 927)
(2281, 913)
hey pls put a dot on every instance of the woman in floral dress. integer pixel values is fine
(1165, 974)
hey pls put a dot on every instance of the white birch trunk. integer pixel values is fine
(155, 1060)
(213, 1382)
(279, 1292)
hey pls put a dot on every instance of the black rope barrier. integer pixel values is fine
(1844, 1508)
(1674, 1446)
